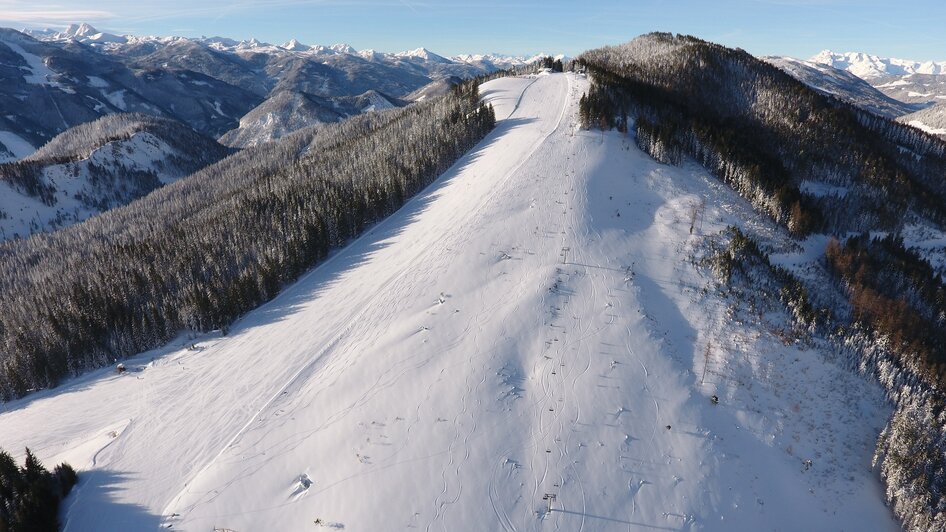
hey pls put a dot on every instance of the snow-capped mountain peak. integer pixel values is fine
(869, 66)
(85, 33)
(424, 54)
(295, 46)
(343, 48)
(371, 54)
(80, 30)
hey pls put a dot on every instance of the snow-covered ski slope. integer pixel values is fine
(529, 324)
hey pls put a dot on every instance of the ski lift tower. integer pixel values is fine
(549, 497)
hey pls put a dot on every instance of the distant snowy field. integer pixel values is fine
(529, 324)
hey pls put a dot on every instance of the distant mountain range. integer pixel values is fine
(843, 84)
(868, 66)
(903, 79)
(912, 92)
(221, 87)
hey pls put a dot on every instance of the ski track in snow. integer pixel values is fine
(453, 365)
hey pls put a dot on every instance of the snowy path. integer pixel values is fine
(453, 365)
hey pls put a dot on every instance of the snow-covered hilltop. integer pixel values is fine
(932, 119)
(97, 166)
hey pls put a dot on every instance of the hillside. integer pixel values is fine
(844, 85)
(52, 86)
(97, 166)
(932, 119)
(862, 195)
(918, 82)
(432, 89)
(289, 111)
(548, 293)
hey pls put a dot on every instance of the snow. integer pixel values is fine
(528, 324)
(342, 48)
(16, 145)
(116, 98)
(423, 53)
(377, 103)
(896, 83)
(97, 82)
(820, 189)
(932, 130)
(38, 72)
(295, 46)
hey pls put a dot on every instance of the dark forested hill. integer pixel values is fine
(768, 135)
(96, 166)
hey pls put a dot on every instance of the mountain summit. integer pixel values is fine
(871, 66)
(85, 33)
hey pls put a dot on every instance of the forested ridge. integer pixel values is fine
(814, 164)
(766, 134)
(102, 164)
(200, 252)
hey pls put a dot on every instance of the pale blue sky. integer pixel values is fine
(910, 29)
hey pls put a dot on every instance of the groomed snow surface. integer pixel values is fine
(529, 324)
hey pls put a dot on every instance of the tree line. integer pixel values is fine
(30, 494)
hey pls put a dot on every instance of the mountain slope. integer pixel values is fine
(842, 84)
(432, 89)
(52, 86)
(279, 115)
(863, 195)
(287, 111)
(902, 79)
(529, 324)
(97, 166)
(932, 119)
(56, 80)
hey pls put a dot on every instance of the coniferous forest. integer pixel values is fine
(776, 141)
(199, 253)
(30, 495)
